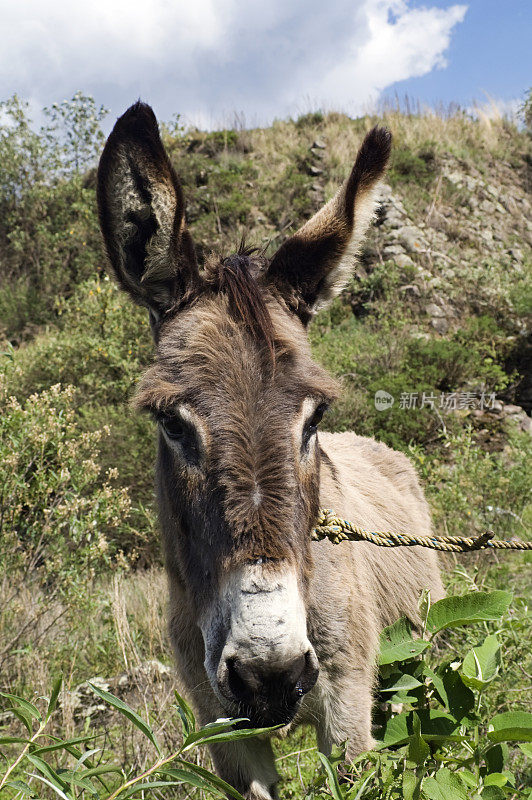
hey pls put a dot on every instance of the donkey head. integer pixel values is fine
(238, 400)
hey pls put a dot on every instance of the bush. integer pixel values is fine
(59, 515)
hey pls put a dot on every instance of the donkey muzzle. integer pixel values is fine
(258, 656)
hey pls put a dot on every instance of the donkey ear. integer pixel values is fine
(313, 266)
(142, 214)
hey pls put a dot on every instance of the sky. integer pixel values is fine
(263, 59)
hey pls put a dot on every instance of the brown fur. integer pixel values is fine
(232, 370)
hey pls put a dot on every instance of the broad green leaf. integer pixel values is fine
(493, 793)
(53, 697)
(496, 757)
(460, 698)
(481, 664)
(410, 785)
(396, 731)
(511, 726)
(404, 683)
(445, 785)
(28, 707)
(452, 612)
(495, 779)
(332, 777)
(468, 777)
(128, 712)
(526, 749)
(436, 723)
(397, 644)
(418, 749)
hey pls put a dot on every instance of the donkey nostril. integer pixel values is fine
(239, 679)
(309, 673)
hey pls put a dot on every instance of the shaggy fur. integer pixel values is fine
(240, 474)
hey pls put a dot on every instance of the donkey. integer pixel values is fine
(265, 624)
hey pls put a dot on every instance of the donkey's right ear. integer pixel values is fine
(142, 214)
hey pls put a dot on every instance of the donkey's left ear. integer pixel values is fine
(313, 266)
(142, 214)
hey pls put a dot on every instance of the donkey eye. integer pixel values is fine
(311, 426)
(173, 427)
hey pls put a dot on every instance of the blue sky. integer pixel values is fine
(489, 52)
(207, 59)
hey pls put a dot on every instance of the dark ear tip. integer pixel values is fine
(379, 140)
(136, 120)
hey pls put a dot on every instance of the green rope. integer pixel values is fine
(337, 530)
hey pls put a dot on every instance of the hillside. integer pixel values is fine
(437, 316)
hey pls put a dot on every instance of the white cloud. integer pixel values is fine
(211, 57)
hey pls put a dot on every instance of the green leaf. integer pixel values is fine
(182, 776)
(481, 664)
(452, 612)
(418, 749)
(438, 684)
(435, 722)
(468, 777)
(411, 784)
(54, 786)
(460, 699)
(128, 712)
(22, 716)
(396, 731)
(496, 757)
(493, 793)
(495, 779)
(12, 740)
(29, 708)
(67, 745)
(210, 729)
(444, 786)
(20, 786)
(102, 770)
(230, 736)
(511, 726)
(332, 777)
(404, 683)
(46, 770)
(188, 720)
(222, 785)
(397, 644)
(526, 749)
(53, 697)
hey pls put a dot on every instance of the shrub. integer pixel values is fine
(59, 515)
